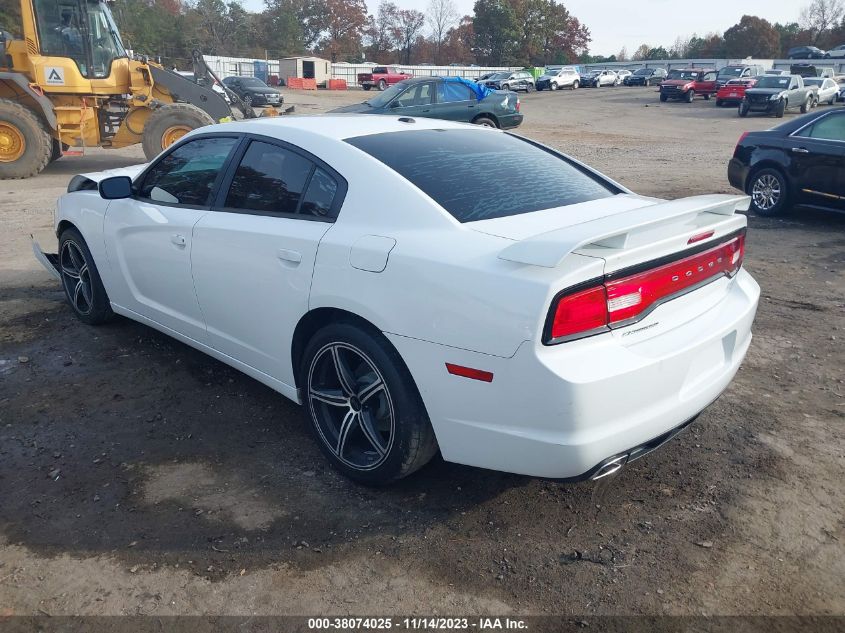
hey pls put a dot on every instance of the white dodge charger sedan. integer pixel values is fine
(410, 284)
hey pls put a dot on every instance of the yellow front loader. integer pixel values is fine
(69, 83)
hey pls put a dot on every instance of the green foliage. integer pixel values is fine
(526, 32)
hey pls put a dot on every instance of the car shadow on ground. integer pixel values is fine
(119, 439)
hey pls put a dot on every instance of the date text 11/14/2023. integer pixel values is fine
(419, 623)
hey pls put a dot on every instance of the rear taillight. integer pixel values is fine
(622, 299)
(517, 104)
(580, 313)
(739, 142)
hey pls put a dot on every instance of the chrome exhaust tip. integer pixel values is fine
(610, 467)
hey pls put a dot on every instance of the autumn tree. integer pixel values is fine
(459, 41)
(565, 39)
(820, 16)
(753, 37)
(409, 23)
(641, 53)
(380, 32)
(441, 16)
(345, 20)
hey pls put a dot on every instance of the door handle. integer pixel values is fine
(293, 257)
(800, 150)
(177, 239)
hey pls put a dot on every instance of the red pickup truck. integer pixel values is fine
(686, 83)
(381, 77)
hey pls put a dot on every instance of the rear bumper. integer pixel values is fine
(737, 174)
(562, 411)
(510, 121)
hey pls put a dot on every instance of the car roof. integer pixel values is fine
(333, 126)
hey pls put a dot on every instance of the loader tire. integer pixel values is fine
(25, 144)
(168, 124)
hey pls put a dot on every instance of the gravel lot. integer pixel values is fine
(138, 476)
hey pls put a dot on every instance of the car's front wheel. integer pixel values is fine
(365, 410)
(769, 192)
(780, 109)
(81, 280)
(553, 86)
(743, 109)
(575, 85)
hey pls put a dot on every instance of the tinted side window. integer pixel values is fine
(477, 176)
(270, 179)
(319, 196)
(187, 174)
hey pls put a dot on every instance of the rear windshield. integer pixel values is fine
(478, 175)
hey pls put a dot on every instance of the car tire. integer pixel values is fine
(707, 96)
(365, 411)
(81, 280)
(366, 87)
(781, 109)
(529, 87)
(553, 86)
(769, 192)
(690, 96)
(743, 109)
(663, 98)
(505, 87)
(575, 85)
(807, 105)
(168, 123)
(485, 121)
(382, 85)
(719, 103)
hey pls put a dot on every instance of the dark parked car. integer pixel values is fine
(805, 52)
(254, 90)
(645, 77)
(436, 98)
(801, 161)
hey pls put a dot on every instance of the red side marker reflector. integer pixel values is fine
(700, 236)
(469, 372)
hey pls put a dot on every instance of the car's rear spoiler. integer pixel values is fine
(549, 249)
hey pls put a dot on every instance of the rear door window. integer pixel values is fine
(479, 175)
(450, 91)
(270, 179)
(829, 128)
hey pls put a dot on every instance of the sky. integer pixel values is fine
(617, 23)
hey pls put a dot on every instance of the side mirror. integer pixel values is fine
(394, 104)
(116, 188)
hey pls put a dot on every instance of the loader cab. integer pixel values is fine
(81, 30)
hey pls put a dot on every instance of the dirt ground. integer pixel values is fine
(138, 476)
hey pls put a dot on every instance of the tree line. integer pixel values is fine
(499, 32)
(821, 24)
